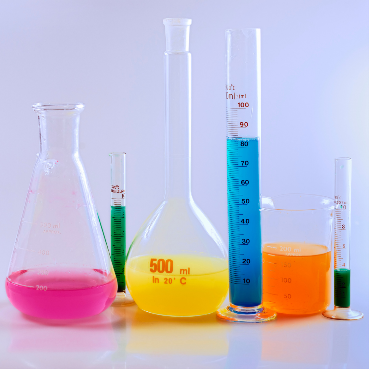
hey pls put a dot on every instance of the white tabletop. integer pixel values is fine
(127, 337)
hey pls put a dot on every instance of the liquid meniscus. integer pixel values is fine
(61, 293)
(296, 277)
(177, 285)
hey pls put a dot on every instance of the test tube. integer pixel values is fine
(342, 238)
(118, 225)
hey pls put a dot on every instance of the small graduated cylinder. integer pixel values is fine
(342, 237)
(342, 201)
(118, 217)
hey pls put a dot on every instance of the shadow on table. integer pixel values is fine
(129, 338)
(42, 343)
(157, 341)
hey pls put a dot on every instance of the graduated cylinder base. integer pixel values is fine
(123, 299)
(257, 314)
(340, 313)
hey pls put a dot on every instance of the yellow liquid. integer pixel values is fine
(186, 285)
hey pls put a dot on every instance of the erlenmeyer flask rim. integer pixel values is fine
(41, 107)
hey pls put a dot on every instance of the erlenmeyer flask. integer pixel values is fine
(177, 264)
(60, 267)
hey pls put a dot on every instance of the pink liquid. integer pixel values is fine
(64, 293)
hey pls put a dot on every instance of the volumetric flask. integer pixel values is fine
(60, 267)
(297, 237)
(177, 263)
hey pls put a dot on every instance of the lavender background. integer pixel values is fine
(108, 55)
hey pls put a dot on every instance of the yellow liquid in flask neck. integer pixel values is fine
(177, 285)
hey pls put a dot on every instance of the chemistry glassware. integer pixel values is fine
(177, 263)
(342, 238)
(243, 177)
(297, 237)
(60, 267)
(118, 225)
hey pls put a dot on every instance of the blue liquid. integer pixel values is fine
(244, 223)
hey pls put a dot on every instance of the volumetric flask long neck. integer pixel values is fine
(177, 60)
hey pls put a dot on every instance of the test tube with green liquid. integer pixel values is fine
(342, 243)
(118, 225)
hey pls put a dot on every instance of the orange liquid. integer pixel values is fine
(296, 277)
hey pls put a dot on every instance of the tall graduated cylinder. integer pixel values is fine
(177, 263)
(242, 97)
(243, 166)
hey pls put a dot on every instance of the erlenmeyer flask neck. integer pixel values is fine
(59, 128)
(178, 109)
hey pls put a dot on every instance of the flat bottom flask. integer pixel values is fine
(60, 266)
(175, 265)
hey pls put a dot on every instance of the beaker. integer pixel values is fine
(177, 263)
(60, 266)
(297, 238)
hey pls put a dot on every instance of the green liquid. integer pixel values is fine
(342, 288)
(118, 244)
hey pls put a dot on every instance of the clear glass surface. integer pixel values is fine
(60, 266)
(177, 263)
(342, 199)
